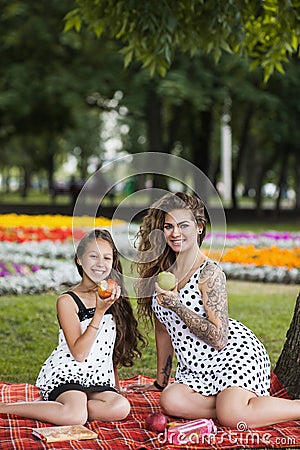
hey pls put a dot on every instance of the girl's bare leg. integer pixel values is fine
(236, 405)
(179, 400)
(70, 408)
(107, 406)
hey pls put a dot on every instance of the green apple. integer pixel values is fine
(166, 281)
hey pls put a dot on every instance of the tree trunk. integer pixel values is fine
(297, 181)
(240, 157)
(6, 181)
(287, 366)
(260, 178)
(282, 184)
(258, 194)
(26, 182)
(154, 132)
(50, 167)
(201, 130)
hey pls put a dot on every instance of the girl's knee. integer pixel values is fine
(121, 409)
(71, 417)
(115, 407)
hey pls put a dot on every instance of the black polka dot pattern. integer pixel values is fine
(244, 361)
(61, 367)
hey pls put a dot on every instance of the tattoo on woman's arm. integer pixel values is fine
(167, 370)
(216, 302)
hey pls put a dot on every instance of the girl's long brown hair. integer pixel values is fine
(128, 335)
(154, 255)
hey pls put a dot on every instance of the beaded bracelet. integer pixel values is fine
(90, 325)
(158, 386)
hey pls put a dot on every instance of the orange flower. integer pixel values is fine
(269, 256)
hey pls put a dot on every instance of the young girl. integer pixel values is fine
(223, 370)
(79, 381)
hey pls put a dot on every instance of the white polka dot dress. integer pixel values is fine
(61, 372)
(243, 362)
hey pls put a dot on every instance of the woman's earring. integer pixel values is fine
(200, 231)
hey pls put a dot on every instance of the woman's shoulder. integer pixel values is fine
(209, 268)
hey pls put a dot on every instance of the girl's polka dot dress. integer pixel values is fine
(61, 372)
(243, 362)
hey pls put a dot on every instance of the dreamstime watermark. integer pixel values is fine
(179, 171)
(241, 436)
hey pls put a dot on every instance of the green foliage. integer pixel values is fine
(152, 32)
(55, 86)
(46, 77)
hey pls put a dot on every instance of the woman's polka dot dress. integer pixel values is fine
(61, 372)
(243, 362)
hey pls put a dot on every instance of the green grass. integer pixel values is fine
(28, 334)
(267, 309)
(29, 327)
(33, 197)
(260, 227)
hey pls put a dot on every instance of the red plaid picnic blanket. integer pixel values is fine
(16, 432)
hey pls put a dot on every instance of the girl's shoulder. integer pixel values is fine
(70, 299)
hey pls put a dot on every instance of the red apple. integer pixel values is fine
(105, 287)
(156, 422)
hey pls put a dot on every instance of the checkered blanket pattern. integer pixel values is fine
(16, 432)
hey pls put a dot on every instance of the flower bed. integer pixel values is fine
(264, 239)
(23, 228)
(52, 221)
(43, 243)
(37, 252)
(266, 274)
(8, 268)
(268, 257)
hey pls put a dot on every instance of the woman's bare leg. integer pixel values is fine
(70, 408)
(179, 400)
(107, 406)
(236, 405)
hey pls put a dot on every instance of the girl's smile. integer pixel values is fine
(97, 260)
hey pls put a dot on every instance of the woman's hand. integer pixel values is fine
(142, 387)
(167, 299)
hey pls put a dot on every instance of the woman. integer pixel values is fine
(223, 370)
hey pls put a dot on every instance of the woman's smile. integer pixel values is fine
(180, 230)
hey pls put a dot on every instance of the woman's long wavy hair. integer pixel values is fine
(154, 255)
(128, 336)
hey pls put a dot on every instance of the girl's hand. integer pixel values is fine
(104, 303)
(167, 299)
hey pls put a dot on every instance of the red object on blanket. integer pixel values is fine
(16, 432)
(156, 422)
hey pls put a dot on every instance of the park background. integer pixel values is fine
(69, 106)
